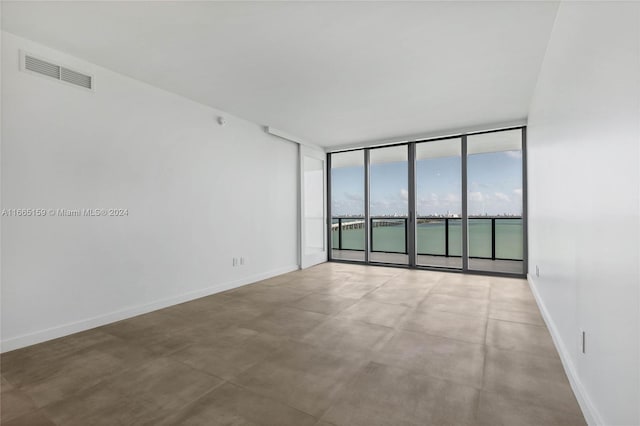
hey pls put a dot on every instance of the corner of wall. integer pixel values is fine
(589, 410)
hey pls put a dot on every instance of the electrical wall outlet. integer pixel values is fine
(235, 261)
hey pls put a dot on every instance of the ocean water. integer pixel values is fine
(431, 238)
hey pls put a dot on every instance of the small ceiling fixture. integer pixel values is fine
(222, 121)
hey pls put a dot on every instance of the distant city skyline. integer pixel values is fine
(494, 188)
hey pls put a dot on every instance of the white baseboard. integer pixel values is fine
(591, 413)
(131, 311)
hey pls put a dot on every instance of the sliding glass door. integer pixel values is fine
(388, 205)
(495, 207)
(439, 203)
(453, 203)
(347, 206)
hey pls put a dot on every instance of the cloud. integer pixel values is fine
(404, 194)
(514, 154)
(501, 196)
(476, 196)
(478, 185)
(451, 198)
(518, 192)
(353, 197)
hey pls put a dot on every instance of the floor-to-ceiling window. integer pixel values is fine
(451, 203)
(388, 205)
(439, 203)
(494, 191)
(348, 230)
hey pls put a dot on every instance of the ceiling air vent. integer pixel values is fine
(42, 67)
(76, 78)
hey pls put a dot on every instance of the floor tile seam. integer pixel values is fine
(344, 385)
(334, 315)
(355, 300)
(3, 377)
(187, 404)
(417, 309)
(337, 316)
(431, 309)
(169, 357)
(38, 410)
(434, 292)
(476, 402)
(486, 325)
(513, 396)
(463, 297)
(271, 397)
(395, 326)
(430, 375)
(103, 381)
(62, 356)
(413, 372)
(369, 292)
(503, 298)
(322, 350)
(400, 287)
(72, 396)
(422, 333)
(107, 383)
(295, 308)
(288, 303)
(244, 323)
(518, 322)
(514, 306)
(15, 416)
(197, 368)
(514, 310)
(410, 306)
(384, 303)
(440, 336)
(485, 350)
(286, 340)
(320, 291)
(204, 311)
(279, 304)
(362, 355)
(556, 357)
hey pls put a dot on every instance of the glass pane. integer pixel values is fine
(389, 235)
(388, 192)
(438, 203)
(480, 238)
(494, 179)
(509, 242)
(347, 205)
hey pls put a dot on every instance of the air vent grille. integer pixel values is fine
(41, 67)
(76, 78)
(58, 72)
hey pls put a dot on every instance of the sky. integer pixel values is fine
(494, 186)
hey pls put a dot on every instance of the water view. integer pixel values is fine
(389, 235)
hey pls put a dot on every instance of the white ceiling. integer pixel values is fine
(332, 73)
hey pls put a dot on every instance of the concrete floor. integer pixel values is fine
(336, 344)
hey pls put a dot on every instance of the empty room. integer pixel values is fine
(322, 213)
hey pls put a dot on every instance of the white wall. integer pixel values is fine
(197, 195)
(583, 140)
